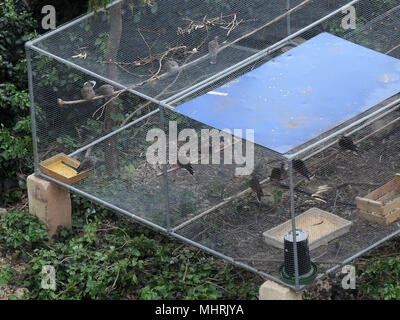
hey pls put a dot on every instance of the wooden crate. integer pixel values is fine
(53, 167)
(321, 226)
(382, 205)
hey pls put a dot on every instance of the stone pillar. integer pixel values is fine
(49, 202)
(271, 290)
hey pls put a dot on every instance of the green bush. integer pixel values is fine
(15, 142)
(21, 232)
(382, 279)
(16, 27)
(7, 273)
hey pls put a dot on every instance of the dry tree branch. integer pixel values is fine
(207, 22)
(202, 58)
(161, 93)
(149, 59)
(394, 48)
(156, 76)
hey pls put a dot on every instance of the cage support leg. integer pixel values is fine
(271, 290)
(49, 202)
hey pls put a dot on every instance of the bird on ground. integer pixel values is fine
(278, 174)
(346, 143)
(106, 90)
(213, 47)
(172, 66)
(255, 186)
(301, 168)
(86, 164)
(187, 166)
(87, 91)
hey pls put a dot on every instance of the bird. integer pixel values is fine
(277, 174)
(106, 90)
(87, 163)
(346, 143)
(301, 168)
(187, 166)
(254, 184)
(87, 90)
(213, 47)
(172, 66)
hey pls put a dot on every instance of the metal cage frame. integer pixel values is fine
(169, 104)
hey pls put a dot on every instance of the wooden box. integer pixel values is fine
(382, 205)
(321, 226)
(53, 167)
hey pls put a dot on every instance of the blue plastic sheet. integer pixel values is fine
(300, 94)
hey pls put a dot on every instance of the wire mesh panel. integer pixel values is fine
(148, 36)
(119, 87)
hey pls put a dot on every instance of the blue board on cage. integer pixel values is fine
(300, 94)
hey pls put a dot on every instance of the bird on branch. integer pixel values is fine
(106, 90)
(87, 91)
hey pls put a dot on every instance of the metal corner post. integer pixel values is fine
(296, 259)
(164, 189)
(32, 108)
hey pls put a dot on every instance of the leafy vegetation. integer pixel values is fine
(100, 259)
(16, 27)
(15, 142)
(382, 279)
(21, 232)
(6, 274)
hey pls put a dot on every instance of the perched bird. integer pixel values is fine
(346, 143)
(213, 47)
(301, 168)
(106, 90)
(187, 166)
(87, 90)
(254, 184)
(172, 66)
(277, 174)
(87, 163)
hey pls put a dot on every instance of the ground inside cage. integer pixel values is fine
(237, 229)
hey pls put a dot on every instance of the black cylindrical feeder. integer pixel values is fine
(307, 269)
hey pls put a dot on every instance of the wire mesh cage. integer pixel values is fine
(316, 81)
